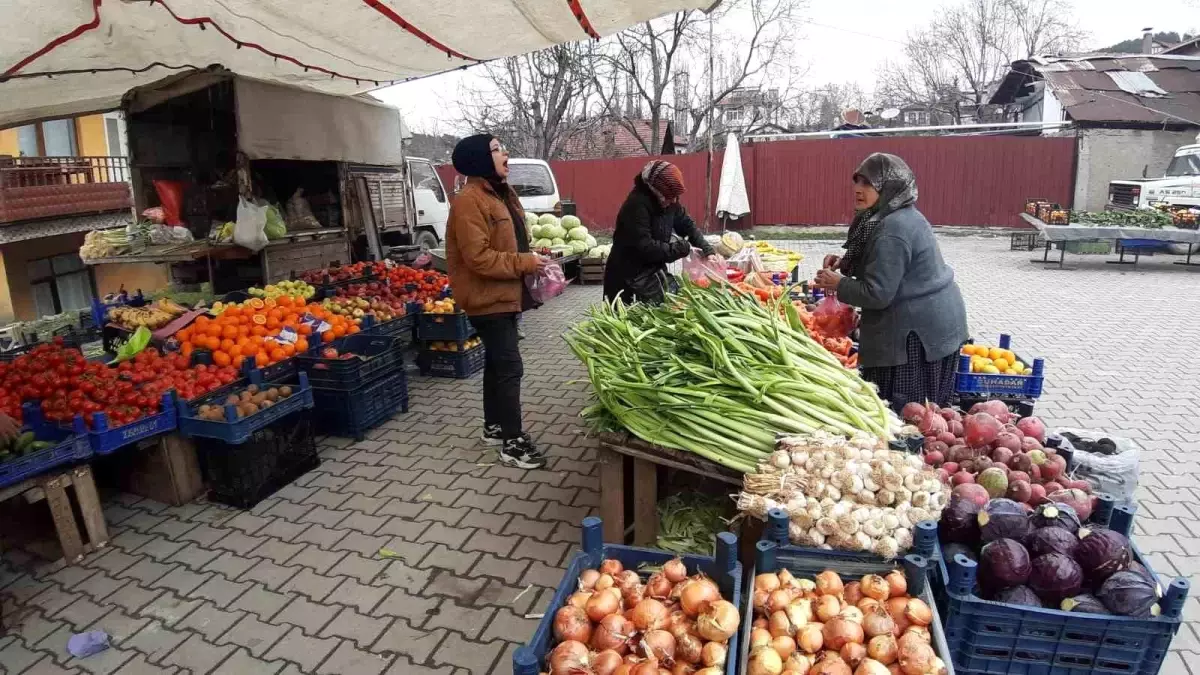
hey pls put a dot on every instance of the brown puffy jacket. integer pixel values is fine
(486, 271)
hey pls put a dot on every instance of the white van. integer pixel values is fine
(534, 183)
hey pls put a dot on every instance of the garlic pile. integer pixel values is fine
(846, 494)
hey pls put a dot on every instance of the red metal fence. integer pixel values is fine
(967, 180)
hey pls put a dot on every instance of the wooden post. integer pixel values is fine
(89, 506)
(64, 518)
(645, 502)
(612, 495)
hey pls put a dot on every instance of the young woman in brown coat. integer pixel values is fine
(487, 251)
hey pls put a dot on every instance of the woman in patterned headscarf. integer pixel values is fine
(652, 229)
(913, 317)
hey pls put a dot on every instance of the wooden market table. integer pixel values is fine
(52, 488)
(620, 452)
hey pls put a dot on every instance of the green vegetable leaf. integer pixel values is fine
(133, 346)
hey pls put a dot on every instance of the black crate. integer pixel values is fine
(351, 414)
(375, 357)
(448, 327)
(243, 475)
(459, 365)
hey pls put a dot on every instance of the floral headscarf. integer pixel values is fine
(897, 187)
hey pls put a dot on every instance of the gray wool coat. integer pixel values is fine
(905, 286)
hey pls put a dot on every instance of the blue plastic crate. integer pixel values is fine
(459, 365)
(375, 356)
(69, 445)
(352, 413)
(724, 569)
(806, 563)
(402, 328)
(241, 475)
(106, 441)
(235, 431)
(776, 530)
(1025, 386)
(992, 637)
(447, 327)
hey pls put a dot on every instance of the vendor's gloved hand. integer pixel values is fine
(680, 248)
(8, 427)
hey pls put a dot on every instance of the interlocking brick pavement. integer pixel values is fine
(296, 585)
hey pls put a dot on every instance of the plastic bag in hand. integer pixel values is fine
(834, 318)
(697, 266)
(546, 283)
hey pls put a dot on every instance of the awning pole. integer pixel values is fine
(711, 107)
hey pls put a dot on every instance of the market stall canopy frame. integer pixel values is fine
(71, 57)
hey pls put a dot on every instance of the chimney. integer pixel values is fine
(1147, 40)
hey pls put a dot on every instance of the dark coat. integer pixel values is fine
(642, 239)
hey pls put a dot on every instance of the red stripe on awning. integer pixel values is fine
(581, 17)
(383, 9)
(79, 30)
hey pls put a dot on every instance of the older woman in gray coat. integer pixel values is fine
(913, 317)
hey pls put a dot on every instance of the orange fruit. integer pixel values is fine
(256, 303)
(353, 329)
(220, 358)
(273, 323)
(339, 330)
(260, 319)
(328, 336)
(183, 334)
(187, 349)
(202, 321)
(213, 330)
(226, 344)
(229, 331)
(269, 303)
(261, 359)
(236, 361)
(304, 329)
(301, 345)
(289, 349)
(277, 355)
(283, 301)
(243, 331)
(234, 351)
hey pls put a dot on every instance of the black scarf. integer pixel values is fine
(897, 187)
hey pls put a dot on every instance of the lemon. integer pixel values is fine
(1001, 364)
(991, 370)
(1018, 366)
(1029, 371)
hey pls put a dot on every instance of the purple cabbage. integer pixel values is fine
(1003, 563)
(1102, 552)
(1051, 540)
(1084, 602)
(1018, 595)
(1129, 594)
(1003, 519)
(1054, 576)
(1055, 515)
(959, 522)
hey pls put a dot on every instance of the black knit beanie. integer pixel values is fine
(473, 156)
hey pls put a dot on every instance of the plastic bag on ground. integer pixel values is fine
(697, 266)
(546, 283)
(250, 229)
(298, 214)
(1116, 474)
(835, 318)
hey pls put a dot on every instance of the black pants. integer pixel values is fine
(502, 372)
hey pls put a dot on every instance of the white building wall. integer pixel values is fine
(1118, 154)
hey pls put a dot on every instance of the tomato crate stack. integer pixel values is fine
(985, 636)
(449, 346)
(358, 383)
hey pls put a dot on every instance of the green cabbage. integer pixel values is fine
(558, 241)
(571, 222)
(548, 219)
(577, 233)
(578, 246)
(531, 221)
(591, 241)
(536, 231)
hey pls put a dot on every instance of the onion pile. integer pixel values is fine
(846, 494)
(823, 626)
(616, 624)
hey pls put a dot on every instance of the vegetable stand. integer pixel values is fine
(1132, 238)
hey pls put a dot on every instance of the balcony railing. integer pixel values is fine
(18, 172)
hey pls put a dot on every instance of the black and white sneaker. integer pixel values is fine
(491, 436)
(522, 453)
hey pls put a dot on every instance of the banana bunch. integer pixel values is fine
(153, 316)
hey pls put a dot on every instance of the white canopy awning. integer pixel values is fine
(96, 50)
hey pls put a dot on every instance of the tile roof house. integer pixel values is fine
(613, 139)
(1129, 111)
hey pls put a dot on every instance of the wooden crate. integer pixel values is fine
(52, 489)
(164, 469)
(591, 271)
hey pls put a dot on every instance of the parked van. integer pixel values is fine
(534, 183)
(1180, 186)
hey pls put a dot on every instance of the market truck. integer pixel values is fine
(1179, 186)
(217, 137)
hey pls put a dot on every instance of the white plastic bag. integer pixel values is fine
(250, 229)
(1115, 474)
(746, 260)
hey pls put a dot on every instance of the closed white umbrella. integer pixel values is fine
(732, 200)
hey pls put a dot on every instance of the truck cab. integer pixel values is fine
(1180, 186)
(431, 204)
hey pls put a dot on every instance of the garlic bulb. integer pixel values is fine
(873, 528)
(917, 515)
(903, 496)
(885, 497)
(890, 521)
(904, 538)
(816, 537)
(847, 523)
(802, 519)
(887, 547)
(796, 531)
(914, 482)
(799, 458)
(920, 499)
(862, 542)
(827, 526)
(780, 459)
(833, 493)
(796, 502)
(861, 513)
(839, 509)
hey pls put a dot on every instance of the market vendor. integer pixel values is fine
(652, 230)
(488, 258)
(913, 317)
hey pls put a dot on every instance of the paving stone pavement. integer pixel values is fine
(296, 585)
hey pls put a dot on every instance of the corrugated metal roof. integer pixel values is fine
(1113, 88)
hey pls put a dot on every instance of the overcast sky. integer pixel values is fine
(842, 41)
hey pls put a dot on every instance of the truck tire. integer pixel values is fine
(426, 240)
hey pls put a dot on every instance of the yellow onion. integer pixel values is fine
(605, 581)
(800, 612)
(916, 634)
(606, 662)
(713, 654)
(572, 624)
(852, 593)
(587, 580)
(633, 595)
(828, 606)
(777, 601)
(764, 661)
(611, 567)
(829, 583)
(897, 583)
(688, 648)
(866, 603)
(916, 659)
(838, 631)
(783, 645)
(712, 670)
(612, 633)
(658, 587)
(674, 570)
(627, 579)
(852, 653)
(875, 586)
(719, 622)
(568, 657)
(647, 667)
(876, 621)
(851, 614)
(871, 667)
(918, 613)
(759, 637)
(760, 600)
(697, 593)
(830, 664)
(798, 663)
(579, 599)
(681, 668)
(658, 645)
(786, 579)
(760, 622)
(810, 638)
(895, 609)
(767, 582)
(601, 605)
(649, 614)
(779, 624)
(883, 648)
(679, 624)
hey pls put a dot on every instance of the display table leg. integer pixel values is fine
(64, 518)
(645, 503)
(89, 507)
(612, 495)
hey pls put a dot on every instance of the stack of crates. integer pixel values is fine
(449, 346)
(360, 387)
